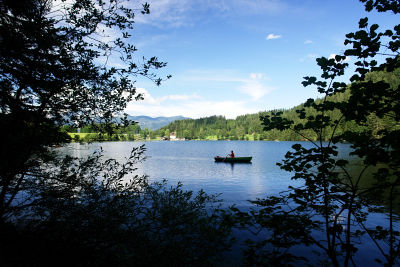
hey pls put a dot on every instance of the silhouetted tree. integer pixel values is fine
(54, 71)
(73, 63)
(329, 211)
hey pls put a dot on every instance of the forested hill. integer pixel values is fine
(215, 127)
(154, 123)
(248, 127)
(244, 127)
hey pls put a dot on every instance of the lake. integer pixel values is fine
(192, 163)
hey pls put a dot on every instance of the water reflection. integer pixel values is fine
(232, 164)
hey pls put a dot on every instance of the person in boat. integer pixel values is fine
(232, 155)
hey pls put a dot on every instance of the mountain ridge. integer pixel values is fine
(154, 123)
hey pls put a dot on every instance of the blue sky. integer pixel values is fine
(233, 57)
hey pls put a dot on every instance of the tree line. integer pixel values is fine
(91, 133)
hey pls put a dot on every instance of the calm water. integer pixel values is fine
(192, 163)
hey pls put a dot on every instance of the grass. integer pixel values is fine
(124, 137)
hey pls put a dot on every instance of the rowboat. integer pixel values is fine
(233, 160)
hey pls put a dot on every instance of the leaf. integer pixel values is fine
(363, 22)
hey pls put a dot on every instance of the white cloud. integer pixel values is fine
(272, 36)
(308, 42)
(177, 13)
(193, 109)
(183, 97)
(149, 99)
(177, 97)
(194, 106)
(171, 13)
(254, 89)
(254, 86)
(247, 7)
(152, 41)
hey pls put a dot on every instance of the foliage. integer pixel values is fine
(221, 128)
(98, 212)
(117, 132)
(330, 211)
(53, 67)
